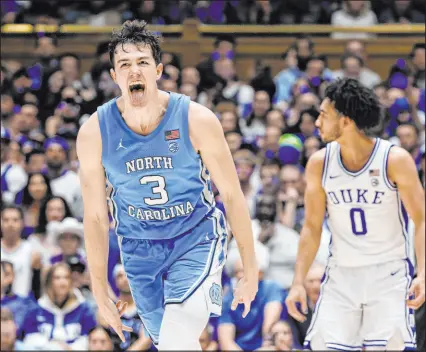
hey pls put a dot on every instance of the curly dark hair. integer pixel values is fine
(135, 32)
(352, 99)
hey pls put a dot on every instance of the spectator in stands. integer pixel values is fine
(64, 182)
(312, 286)
(65, 317)
(52, 209)
(46, 50)
(100, 339)
(8, 339)
(281, 339)
(408, 136)
(21, 253)
(351, 67)
(254, 125)
(249, 333)
(24, 309)
(13, 175)
(245, 162)
(353, 13)
(136, 340)
(401, 11)
(366, 76)
(35, 193)
(418, 62)
(68, 236)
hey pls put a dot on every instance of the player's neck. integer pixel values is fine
(356, 148)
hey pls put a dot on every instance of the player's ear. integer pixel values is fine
(159, 70)
(112, 73)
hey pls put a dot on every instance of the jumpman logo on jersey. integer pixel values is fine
(120, 145)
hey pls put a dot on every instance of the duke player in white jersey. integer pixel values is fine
(157, 151)
(364, 187)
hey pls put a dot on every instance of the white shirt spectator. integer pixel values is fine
(68, 187)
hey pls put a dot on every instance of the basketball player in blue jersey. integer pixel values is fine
(156, 150)
(364, 188)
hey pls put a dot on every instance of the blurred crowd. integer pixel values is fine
(269, 124)
(114, 12)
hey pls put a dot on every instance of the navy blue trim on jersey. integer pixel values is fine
(342, 347)
(388, 183)
(367, 164)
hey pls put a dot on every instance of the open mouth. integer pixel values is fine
(137, 87)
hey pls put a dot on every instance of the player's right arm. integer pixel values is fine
(95, 218)
(310, 236)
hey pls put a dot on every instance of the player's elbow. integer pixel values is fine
(93, 220)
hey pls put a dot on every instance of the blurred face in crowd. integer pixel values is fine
(275, 118)
(136, 73)
(8, 333)
(55, 156)
(244, 170)
(352, 67)
(402, 5)
(261, 103)
(315, 68)
(228, 120)
(311, 145)
(298, 85)
(302, 47)
(307, 125)
(7, 104)
(168, 85)
(46, 47)
(271, 138)
(382, 94)
(190, 90)
(121, 282)
(407, 136)
(283, 336)
(357, 48)
(313, 282)
(36, 163)
(12, 224)
(223, 48)
(61, 283)
(190, 75)
(234, 141)
(69, 66)
(7, 277)
(55, 210)
(329, 122)
(56, 81)
(355, 6)
(37, 187)
(29, 114)
(100, 341)
(225, 69)
(305, 101)
(172, 71)
(419, 59)
(267, 175)
(290, 176)
(69, 243)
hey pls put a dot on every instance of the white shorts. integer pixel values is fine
(364, 308)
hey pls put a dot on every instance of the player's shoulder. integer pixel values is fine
(203, 125)
(398, 154)
(199, 114)
(89, 129)
(316, 161)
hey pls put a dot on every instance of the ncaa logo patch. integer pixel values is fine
(215, 293)
(173, 147)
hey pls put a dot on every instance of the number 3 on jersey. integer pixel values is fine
(359, 225)
(159, 189)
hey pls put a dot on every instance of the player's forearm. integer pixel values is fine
(308, 247)
(97, 247)
(239, 218)
(419, 243)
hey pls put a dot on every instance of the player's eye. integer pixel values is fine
(143, 63)
(124, 65)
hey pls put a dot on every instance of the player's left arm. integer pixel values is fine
(403, 172)
(208, 139)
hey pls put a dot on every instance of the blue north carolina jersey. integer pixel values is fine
(160, 187)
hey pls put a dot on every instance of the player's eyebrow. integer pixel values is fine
(138, 58)
(323, 111)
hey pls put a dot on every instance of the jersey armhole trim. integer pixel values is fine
(186, 135)
(325, 165)
(104, 134)
(388, 183)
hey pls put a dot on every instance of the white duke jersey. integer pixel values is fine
(365, 215)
